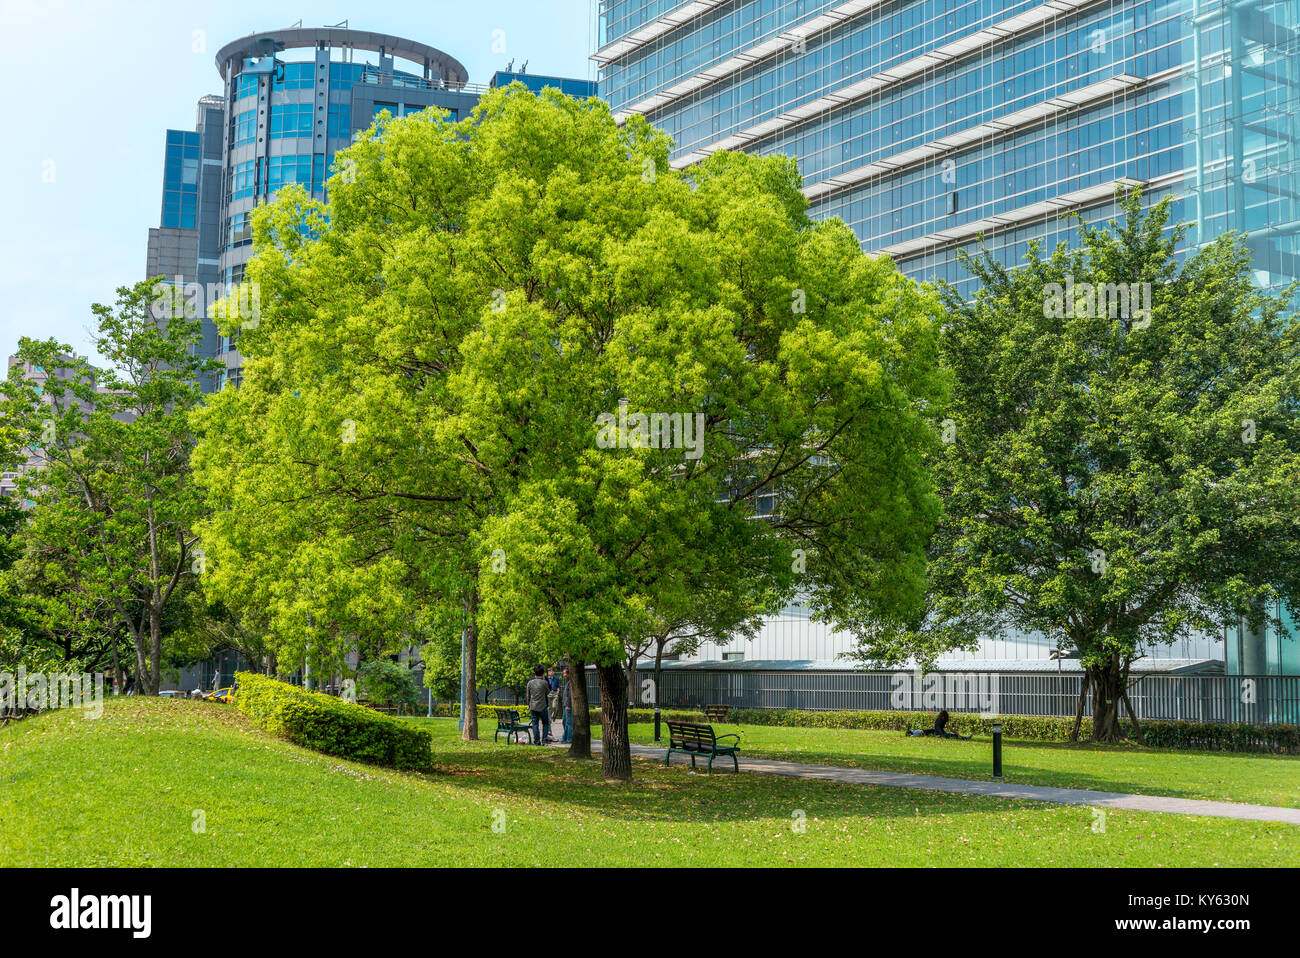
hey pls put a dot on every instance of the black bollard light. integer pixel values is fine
(997, 749)
(656, 721)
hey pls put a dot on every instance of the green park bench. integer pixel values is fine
(693, 739)
(716, 713)
(508, 722)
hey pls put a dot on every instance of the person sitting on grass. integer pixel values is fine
(941, 728)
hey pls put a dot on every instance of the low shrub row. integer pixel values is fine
(634, 716)
(1210, 736)
(332, 726)
(1207, 736)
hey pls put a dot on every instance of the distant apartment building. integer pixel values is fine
(290, 100)
(928, 124)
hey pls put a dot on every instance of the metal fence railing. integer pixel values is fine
(1192, 698)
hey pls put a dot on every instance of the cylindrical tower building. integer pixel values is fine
(292, 99)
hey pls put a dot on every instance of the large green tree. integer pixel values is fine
(804, 368)
(1122, 454)
(111, 526)
(438, 422)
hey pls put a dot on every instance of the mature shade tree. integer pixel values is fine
(803, 370)
(114, 502)
(440, 401)
(342, 473)
(340, 512)
(1124, 454)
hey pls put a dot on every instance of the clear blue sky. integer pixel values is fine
(99, 83)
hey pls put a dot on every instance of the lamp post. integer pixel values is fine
(997, 750)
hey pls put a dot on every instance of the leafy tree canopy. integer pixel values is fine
(1124, 453)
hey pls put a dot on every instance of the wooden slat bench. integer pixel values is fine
(693, 739)
(716, 713)
(508, 722)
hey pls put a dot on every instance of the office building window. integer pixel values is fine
(340, 120)
(291, 119)
(294, 76)
(239, 231)
(242, 180)
(245, 127)
(343, 76)
(290, 169)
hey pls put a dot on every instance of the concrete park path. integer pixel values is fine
(1034, 793)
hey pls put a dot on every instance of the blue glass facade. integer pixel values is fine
(922, 124)
(926, 124)
(181, 180)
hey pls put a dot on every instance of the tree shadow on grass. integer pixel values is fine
(672, 794)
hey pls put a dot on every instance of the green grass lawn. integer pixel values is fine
(1221, 776)
(125, 790)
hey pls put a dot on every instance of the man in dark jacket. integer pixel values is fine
(536, 693)
(567, 695)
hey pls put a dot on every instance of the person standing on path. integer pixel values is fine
(552, 703)
(536, 693)
(568, 708)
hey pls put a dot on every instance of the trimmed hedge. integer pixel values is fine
(1205, 736)
(332, 726)
(1209, 736)
(488, 713)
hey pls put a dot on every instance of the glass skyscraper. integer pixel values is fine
(925, 124)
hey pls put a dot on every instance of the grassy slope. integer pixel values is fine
(122, 791)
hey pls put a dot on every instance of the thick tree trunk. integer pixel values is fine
(580, 747)
(615, 749)
(1137, 726)
(141, 666)
(469, 732)
(1078, 711)
(149, 679)
(154, 675)
(117, 669)
(1105, 701)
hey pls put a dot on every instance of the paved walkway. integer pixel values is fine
(1035, 793)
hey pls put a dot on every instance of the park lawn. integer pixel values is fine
(1220, 776)
(125, 789)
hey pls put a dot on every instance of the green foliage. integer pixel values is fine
(332, 726)
(387, 683)
(1119, 475)
(416, 446)
(108, 547)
